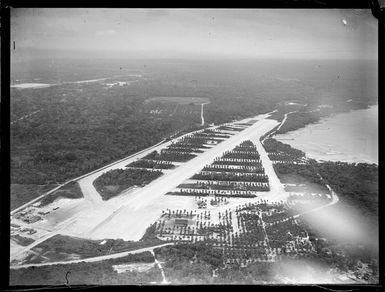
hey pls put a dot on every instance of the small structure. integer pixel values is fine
(181, 222)
(202, 205)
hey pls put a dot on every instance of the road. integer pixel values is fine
(18, 253)
(284, 119)
(119, 217)
(86, 182)
(127, 217)
(335, 199)
(202, 117)
(94, 259)
(94, 202)
(145, 205)
(277, 190)
(92, 196)
(164, 280)
(43, 85)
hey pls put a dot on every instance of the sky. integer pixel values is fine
(212, 33)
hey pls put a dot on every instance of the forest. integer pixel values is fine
(113, 182)
(22, 193)
(298, 120)
(223, 176)
(272, 145)
(356, 184)
(97, 273)
(82, 127)
(300, 174)
(59, 247)
(198, 252)
(172, 155)
(74, 134)
(345, 256)
(144, 163)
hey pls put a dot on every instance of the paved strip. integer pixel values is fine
(137, 203)
(84, 176)
(141, 201)
(93, 259)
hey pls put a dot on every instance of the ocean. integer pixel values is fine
(348, 137)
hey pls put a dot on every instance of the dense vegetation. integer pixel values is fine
(113, 182)
(143, 163)
(181, 266)
(284, 150)
(252, 155)
(22, 240)
(298, 120)
(355, 184)
(22, 193)
(225, 185)
(224, 176)
(67, 140)
(81, 127)
(242, 169)
(179, 253)
(176, 155)
(189, 264)
(345, 256)
(300, 174)
(97, 273)
(62, 247)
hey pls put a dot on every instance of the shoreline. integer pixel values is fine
(336, 137)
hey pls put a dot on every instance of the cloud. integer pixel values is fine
(220, 31)
(107, 32)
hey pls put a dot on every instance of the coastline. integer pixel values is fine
(347, 137)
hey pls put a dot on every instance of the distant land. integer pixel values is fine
(147, 185)
(349, 137)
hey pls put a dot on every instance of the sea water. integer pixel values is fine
(348, 137)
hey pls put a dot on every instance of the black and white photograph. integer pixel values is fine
(193, 146)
